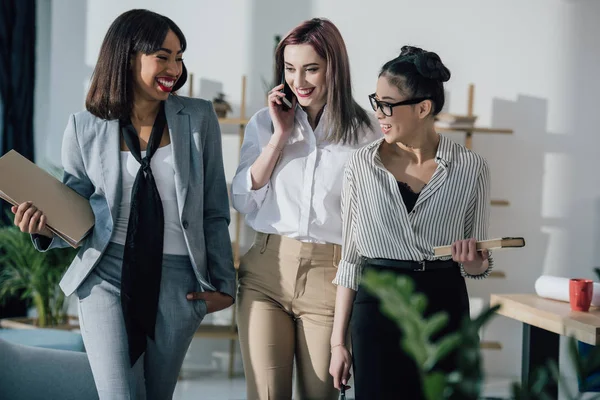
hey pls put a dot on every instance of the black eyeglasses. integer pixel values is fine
(386, 108)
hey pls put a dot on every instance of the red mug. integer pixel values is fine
(580, 294)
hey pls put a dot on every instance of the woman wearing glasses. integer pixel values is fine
(402, 195)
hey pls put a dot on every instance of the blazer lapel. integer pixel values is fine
(180, 134)
(108, 136)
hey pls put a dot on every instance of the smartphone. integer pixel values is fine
(343, 392)
(289, 95)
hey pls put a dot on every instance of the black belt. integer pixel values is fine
(424, 265)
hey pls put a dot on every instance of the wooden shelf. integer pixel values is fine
(233, 121)
(217, 332)
(236, 257)
(475, 129)
(490, 345)
(502, 203)
(497, 274)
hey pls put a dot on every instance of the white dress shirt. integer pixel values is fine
(302, 198)
(453, 205)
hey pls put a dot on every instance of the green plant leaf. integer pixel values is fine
(33, 274)
(484, 317)
(436, 323)
(444, 347)
(576, 359)
(434, 385)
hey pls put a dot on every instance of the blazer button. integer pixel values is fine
(185, 224)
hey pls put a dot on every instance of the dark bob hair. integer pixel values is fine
(111, 91)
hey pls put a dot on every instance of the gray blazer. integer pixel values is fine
(91, 159)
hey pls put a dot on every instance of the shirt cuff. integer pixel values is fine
(483, 275)
(259, 194)
(42, 243)
(348, 275)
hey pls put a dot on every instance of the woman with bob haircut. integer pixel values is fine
(288, 185)
(159, 257)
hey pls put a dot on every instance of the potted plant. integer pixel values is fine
(33, 274)
(221, 106)
(405, 307)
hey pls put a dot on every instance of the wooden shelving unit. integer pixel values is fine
(497, 274)
(474, 130)
(230, 331)
(234, 121)
(500, 203)
(468, 132)
(490, 345)
(241, 122)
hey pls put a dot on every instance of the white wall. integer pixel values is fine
(535, 68)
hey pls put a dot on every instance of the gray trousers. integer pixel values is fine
(155, 373)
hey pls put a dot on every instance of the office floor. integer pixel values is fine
(216, 386)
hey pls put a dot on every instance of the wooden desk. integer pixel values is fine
(544, 321)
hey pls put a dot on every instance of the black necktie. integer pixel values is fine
(142, 258)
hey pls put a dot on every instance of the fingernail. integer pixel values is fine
(189, 297)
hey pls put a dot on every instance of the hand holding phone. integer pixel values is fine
(287, 101)
(281, 108)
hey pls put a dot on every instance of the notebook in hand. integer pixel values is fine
(490, 244)
(68, 214)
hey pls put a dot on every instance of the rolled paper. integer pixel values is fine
(557, 288)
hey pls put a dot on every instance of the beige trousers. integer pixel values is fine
(285, 312)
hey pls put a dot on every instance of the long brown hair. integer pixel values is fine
(110, 95)
(344, 115)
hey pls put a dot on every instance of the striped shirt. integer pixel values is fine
(453, 205)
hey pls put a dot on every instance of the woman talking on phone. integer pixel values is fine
(288, 185)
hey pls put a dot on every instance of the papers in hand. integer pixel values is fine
(68, 214)
(490, 244)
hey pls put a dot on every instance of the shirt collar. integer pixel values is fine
(443, 155)
(302, 118)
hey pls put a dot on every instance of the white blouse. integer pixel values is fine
(302, 198)
(162, 165)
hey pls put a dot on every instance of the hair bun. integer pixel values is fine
(430, 66)
(407, 51)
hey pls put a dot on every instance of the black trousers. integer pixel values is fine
(382, 370)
